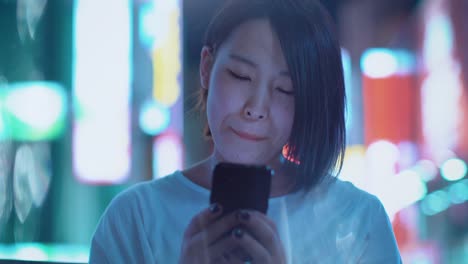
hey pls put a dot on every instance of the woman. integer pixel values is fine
(272, 80)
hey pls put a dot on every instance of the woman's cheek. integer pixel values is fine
(231, 92)
(283, 114)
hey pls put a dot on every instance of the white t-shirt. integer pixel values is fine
(334, 223)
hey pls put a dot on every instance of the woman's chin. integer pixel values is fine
(248, 159)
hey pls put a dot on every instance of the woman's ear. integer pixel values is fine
(206, 64)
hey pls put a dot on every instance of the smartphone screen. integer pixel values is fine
(239, 186)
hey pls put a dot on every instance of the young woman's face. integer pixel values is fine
(250, 105)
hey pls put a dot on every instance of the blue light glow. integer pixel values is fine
(459, 192)
(63, 253)
(379, 63)
(454, 169)
(382, 63)
(347, 71)
(435, 202)
(4, 128)
(35, 110)
(38, 105)
(154, 118)
(146, 25)
(154, 22)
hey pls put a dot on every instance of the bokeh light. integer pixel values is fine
(23, 171)
(6, 200)
(354, 165)
(166, 54)
(438, 40)
(412, 188)
(28, 14)
(435, 202)
(379, 63)
(427, 169)
(102, 81)
(154, 118)
(453, 169)
(167, 149)
(35, 110)
(459, 192)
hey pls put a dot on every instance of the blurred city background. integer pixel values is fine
(97, 95)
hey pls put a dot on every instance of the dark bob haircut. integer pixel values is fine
(313, 55)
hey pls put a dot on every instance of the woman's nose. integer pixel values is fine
(257, 107)
(252, 113)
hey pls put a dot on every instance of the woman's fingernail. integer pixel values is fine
(214, 208)
(238, 232)
(243, 215)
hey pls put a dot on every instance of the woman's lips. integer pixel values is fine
(248, 136)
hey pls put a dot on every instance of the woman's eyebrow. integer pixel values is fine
(245, 60)
(242, 59)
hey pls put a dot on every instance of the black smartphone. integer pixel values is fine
(240, 186)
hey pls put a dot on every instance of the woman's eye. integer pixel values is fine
(287, 92)
(238, 76)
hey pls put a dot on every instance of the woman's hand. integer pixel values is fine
(207, 238)
(258, 239)
(239, 237)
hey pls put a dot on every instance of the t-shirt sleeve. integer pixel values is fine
(120, 236)
(381, 246)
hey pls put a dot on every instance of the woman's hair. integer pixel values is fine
(313, 55)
